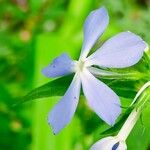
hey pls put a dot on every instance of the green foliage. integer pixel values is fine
(54, 88)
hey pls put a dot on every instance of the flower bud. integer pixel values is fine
(109, 143)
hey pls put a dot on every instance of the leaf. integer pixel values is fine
(142, 101)
(125, 89)
(119, 124)
(56, 87)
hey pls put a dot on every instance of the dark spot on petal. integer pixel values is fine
(75, 97)
(115, 146)
(54, 133)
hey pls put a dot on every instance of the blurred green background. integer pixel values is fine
(32, 33)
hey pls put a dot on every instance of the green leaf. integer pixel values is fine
(56, 87)
(141, 102)
(119, 124)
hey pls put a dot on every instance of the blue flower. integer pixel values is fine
(122, 50)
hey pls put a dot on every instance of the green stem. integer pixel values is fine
(142, 97)
(129, 124)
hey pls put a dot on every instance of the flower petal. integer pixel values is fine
(122, 50)
(100, 98)
(109, 143)
(60, 66)
(64, 110)
(94, 26)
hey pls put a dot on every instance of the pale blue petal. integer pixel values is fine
(60, 66)
(94, 26)
(122, 50)
(64, 110)
(100, 98)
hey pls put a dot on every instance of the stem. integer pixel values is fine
(129, 124)
(147, 50)
(146, 85)
(135, 114)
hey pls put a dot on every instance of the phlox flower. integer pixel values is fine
(123, 50)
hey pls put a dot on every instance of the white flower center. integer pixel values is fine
(79, 66)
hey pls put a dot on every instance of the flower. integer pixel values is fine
(109, 143)
(122, 50)
(118, 142)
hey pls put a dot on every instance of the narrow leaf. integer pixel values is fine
(119, 124)
(56, 87)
